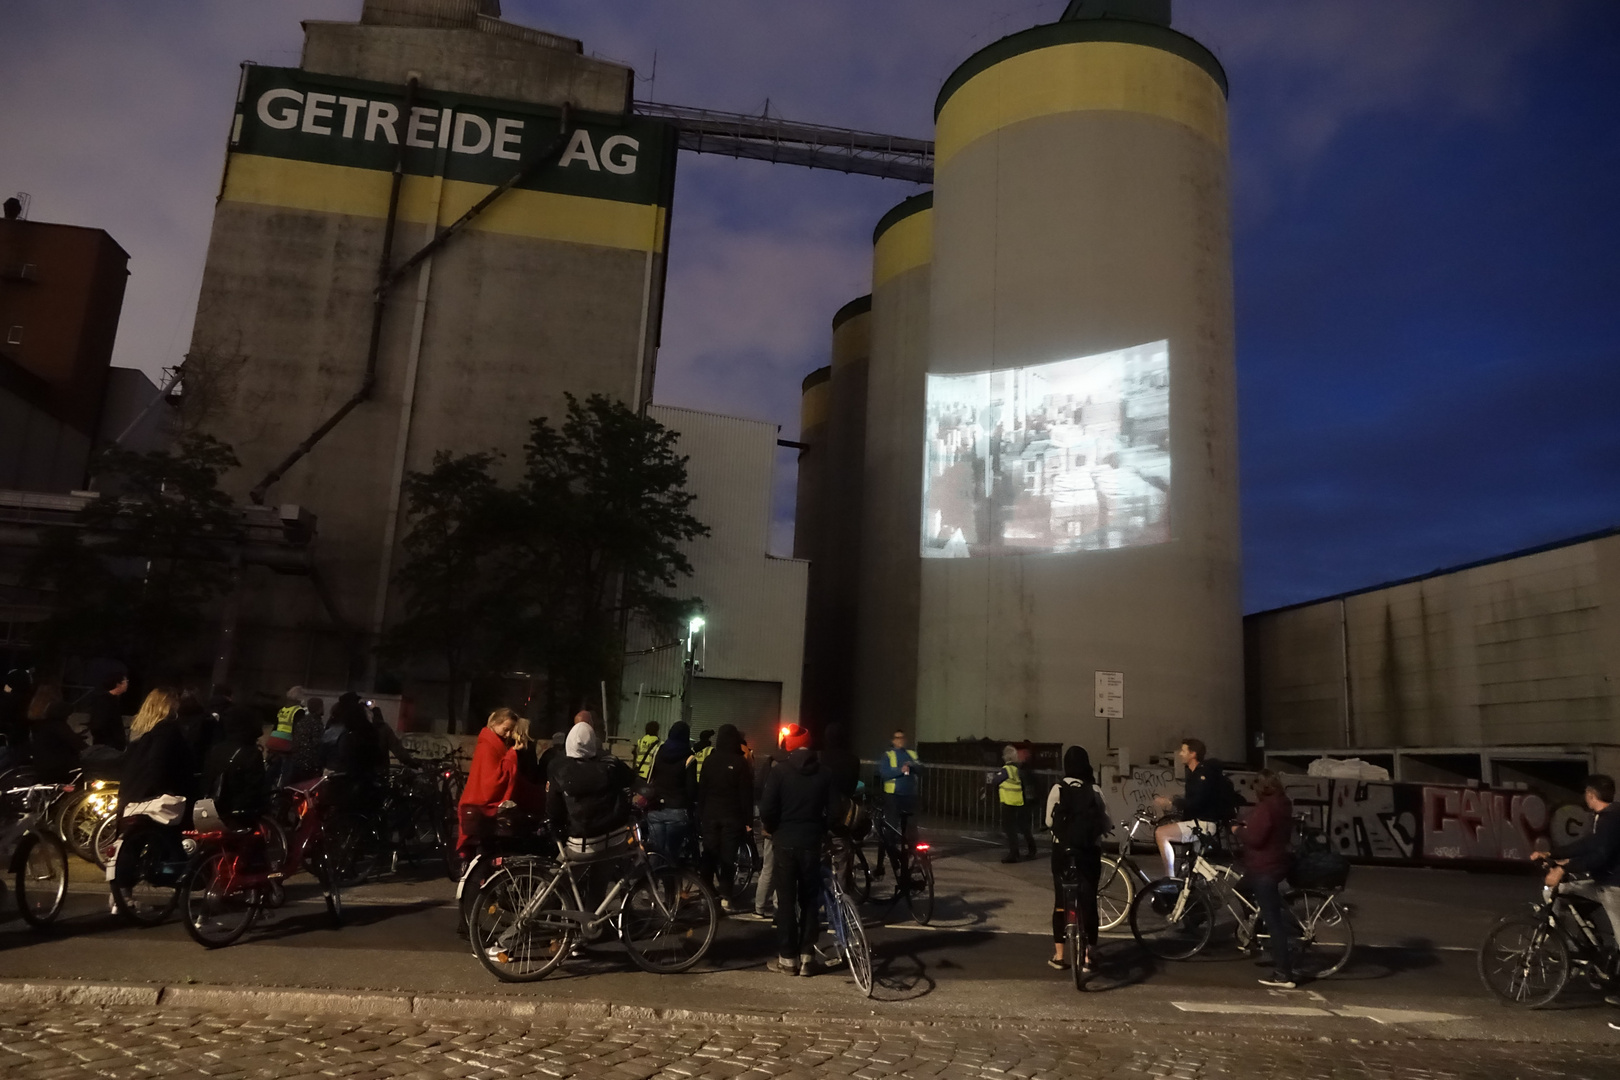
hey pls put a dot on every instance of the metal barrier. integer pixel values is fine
(959, 794)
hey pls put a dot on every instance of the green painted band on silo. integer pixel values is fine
(1068, 33)
(858, 306)
(816, 378)
(914, 205)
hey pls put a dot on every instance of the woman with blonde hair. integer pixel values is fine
(492, 776)
(158, 762)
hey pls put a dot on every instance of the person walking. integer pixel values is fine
(1265, 834)
(1078, 817)
(646, 748)
(1008, 784)
(794, 810)
(673, 779)
(725, 805)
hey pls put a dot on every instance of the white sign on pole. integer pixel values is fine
(1111, 694)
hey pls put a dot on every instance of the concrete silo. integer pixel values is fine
(834, 527)
(1080, 341)
(807, 515)
(886, 633)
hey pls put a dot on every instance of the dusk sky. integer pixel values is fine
(1426, 226)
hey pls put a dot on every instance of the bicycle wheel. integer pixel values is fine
(920, 887)
(852, 940)
(885, 882)
(146, 878)
(857, 883)
(1326, 937)
(517, 936)
(742, 881)
(82, 817)
(275, 842)
(1162, 929)
(1115, 891)
(1074, 946)
(351, 848)
(42, 874)
(1524, 961)
(670, 918)
(216, 911)
(106, 841)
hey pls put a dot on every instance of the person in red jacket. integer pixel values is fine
(1265, 834)
(491, 779)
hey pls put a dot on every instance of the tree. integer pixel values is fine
(462, 524)
(133, 575)
(545, 575)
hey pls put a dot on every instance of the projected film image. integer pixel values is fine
(1071, 455)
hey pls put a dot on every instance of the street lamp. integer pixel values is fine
(691, 662)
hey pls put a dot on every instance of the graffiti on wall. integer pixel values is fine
(1476, 823)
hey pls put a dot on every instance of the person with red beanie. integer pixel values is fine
(794, 811)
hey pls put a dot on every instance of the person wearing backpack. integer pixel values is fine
(1207, 802)
(1078, 818)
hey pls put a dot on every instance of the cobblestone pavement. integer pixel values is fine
(67, 1042)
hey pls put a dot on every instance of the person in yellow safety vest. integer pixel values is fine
(897, 768)
(701, 752)
(279, 743)
(647, 749)
(1008, 782)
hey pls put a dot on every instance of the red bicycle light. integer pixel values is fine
(922, 847)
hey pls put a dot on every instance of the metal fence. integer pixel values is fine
(958, 793)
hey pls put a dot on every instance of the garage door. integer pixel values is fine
(754, 707)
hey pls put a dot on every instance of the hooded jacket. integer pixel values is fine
(726, 789)
(674, 773)
(798, 801)
(589, 792)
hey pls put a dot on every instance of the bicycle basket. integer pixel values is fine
(1320, 870)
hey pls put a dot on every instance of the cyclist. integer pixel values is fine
(673, 779)
(898, 768)
(233, 773)
(1008, 783)
(1265, 835)
(1208, 800)
(646, 748)
(1597, 855)
(1078, 818)
(588, 796)
(795, 810)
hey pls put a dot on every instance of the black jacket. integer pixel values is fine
(158, 763)
(589, 796)
(726, 789)
(106, 722)
(55, 745)
(1207, 796)
(234, 777)
(1598, 852)
(798, 801)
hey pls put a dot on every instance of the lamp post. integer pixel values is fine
(691, 662)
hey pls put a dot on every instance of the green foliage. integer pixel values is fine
(544, 575)
(133, 575)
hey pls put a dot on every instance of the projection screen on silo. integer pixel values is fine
(1068, 455)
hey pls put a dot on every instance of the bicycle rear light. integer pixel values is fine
(923, 846)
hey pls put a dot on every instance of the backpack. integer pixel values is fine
(1226, 796)
(1080, 818)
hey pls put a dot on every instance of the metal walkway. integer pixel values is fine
(765, 138)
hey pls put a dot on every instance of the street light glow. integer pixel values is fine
(696, 624)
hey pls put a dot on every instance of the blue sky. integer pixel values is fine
(1426, 234)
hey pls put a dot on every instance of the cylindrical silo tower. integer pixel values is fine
(829, 644)
(1080, 504)
(807, 504)
(886, 667)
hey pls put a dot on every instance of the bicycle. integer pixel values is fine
(1174, 918)
(1122, 878)
(34, 853)
(92, 802)
(910, 866)
(238, 873)
(1075, 940)
(844, 917)
(1527, 960)
(529, 915)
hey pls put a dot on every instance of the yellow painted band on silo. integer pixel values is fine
(905, 245)
(1079, 77)
(814, 406)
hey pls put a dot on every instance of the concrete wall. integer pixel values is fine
(556, 288)
(1082, 205)
(886, 671)
(38, 452)
(830, 625)
(753, 604)
(1523, 650)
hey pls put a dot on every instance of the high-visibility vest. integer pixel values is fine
(700, 757)
(646, 749)
(1012, 788)
(895, 763)
(285, 718)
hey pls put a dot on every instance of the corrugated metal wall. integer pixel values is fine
(1523, 650)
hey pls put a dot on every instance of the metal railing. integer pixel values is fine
(959, 795)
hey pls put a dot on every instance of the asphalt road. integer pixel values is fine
(1413, 975)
